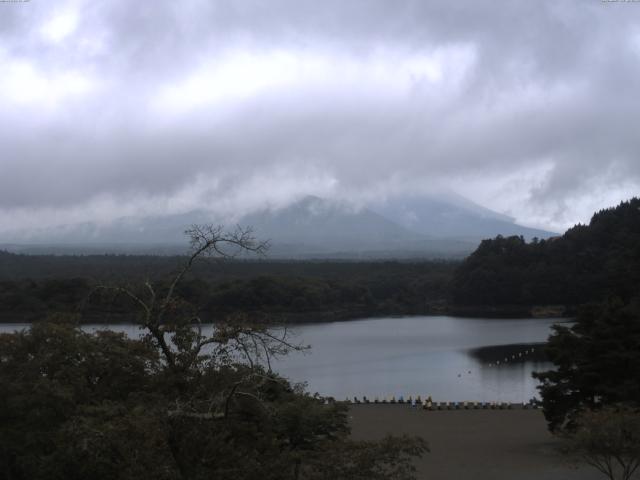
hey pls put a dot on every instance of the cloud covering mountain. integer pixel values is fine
(120, 108)
(309, 228)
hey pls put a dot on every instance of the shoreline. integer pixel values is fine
(302, 318)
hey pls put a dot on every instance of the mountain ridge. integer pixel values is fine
(310, 227)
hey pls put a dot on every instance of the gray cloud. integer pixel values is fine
(113, 108)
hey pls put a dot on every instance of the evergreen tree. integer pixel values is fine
(597, 363)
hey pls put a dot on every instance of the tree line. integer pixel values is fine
(289, 291)
(588, 263)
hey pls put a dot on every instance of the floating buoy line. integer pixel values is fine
(513, 357)
(427, 403)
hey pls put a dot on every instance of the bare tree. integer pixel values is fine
(178, 334)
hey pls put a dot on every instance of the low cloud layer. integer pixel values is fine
(122, 108)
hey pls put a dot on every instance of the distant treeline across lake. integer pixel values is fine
(31, 286)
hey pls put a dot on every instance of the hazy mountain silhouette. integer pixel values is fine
(452, 216)
(408, 226)
(322, 225)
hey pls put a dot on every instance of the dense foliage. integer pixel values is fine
(77, 406)
(280, 290)
(127, 268)
(597, 363)
(588, 263)
(177, 403)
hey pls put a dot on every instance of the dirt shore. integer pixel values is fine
(474, 444)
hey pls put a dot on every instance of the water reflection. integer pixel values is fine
(448, 358)
(451, 359)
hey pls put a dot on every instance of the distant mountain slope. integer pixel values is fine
(162, 235)
(165, 229)
(311, 227)
(587, 263)
(452, 216)
(327, 226)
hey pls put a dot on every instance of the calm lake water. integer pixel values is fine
(449, 358)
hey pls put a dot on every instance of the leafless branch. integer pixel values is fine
(129, 294)
(207, 239)
(246, 340)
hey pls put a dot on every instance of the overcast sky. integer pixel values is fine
(120, 107)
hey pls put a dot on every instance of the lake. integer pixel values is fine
(449, 358)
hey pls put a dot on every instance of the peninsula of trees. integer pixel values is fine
(588, 263)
